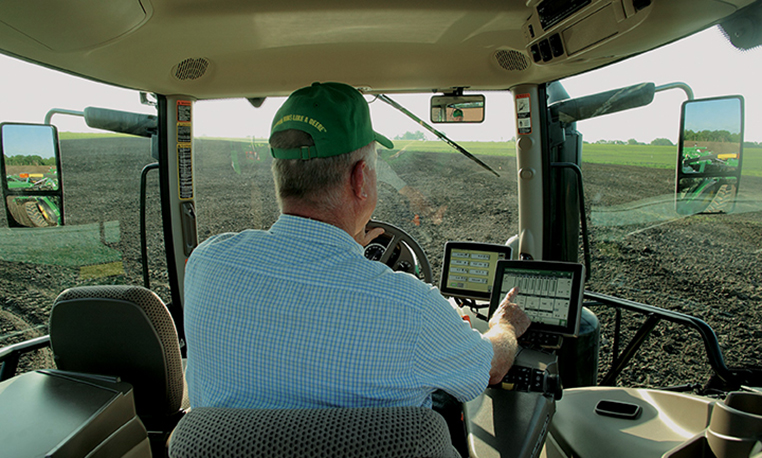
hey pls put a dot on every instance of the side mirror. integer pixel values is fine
(32, 187)
(709, 155)
(457, 108)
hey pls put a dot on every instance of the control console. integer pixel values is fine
(533, 371)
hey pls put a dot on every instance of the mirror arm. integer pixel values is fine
(457, 92)
(572, 110)
(687, 89)
(145, 100)
(123, 122)
(62, 111)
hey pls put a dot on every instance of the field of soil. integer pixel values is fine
(707, 266)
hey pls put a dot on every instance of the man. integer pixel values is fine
(296, 316)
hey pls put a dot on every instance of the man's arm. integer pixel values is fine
(506, 325)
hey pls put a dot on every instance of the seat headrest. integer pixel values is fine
(123, 331)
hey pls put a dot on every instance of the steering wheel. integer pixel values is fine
(398, 250)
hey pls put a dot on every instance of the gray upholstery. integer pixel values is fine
(123, 331)
(398, 432)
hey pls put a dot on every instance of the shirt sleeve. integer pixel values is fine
(450, 355)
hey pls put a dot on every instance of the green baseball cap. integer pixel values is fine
(336, 116)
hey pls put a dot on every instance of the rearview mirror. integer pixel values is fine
(709, 155)
(457, 108)
(31, 179)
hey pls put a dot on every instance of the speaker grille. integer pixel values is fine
(191, 69)
(511, 60)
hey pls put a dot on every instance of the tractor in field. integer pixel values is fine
(33, 211)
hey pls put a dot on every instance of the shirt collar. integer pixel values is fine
(317, 231)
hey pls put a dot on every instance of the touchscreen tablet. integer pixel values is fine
(469, 269)
(549, 292)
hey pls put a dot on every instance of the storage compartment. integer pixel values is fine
(62, 414)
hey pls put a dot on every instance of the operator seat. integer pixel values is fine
(401, 432)
(126, 332)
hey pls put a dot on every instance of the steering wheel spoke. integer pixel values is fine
(390, 248)
(408, 251)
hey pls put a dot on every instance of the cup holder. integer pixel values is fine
(736, 425)
(735, 430)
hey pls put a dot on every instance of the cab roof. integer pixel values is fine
(251, 48)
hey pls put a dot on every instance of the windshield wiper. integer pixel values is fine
(443, 137)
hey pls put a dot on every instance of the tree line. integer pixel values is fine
(668, 142)
(701, 136)
(417, 135)
(632, 141)
(22, 159)
(711, 136)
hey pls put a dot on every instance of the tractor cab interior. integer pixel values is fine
(634, 246)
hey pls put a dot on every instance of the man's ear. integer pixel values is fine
(358, 179)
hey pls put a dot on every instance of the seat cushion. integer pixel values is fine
(368, 432)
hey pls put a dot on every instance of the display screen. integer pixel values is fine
(469, 269)
(550, 293)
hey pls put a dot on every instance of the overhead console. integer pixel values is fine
(562, 29)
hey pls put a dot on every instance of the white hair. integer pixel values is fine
(315, 181)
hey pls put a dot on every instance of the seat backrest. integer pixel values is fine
(398, 432)
(123, 331)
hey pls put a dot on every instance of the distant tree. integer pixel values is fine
(418, 135)
(662, 142)
(632, 141)
(29, 160)
(711, 136)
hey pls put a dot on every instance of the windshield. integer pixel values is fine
(425, 187)
(705, 264)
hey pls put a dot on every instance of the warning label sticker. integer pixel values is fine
(184, 150)
(185, 171)
(183, 133)
(183, 111)
(523, 114)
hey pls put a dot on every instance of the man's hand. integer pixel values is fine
(506, 325)
(509, 314)
(364, 238)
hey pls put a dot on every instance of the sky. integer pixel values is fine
(704, 115)
(706, 62)
(29, 141)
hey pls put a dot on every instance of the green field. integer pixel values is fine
(662, 157)
(87, 135)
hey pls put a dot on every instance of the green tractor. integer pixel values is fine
(702, 160)
(33, 211)
(709, 165)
